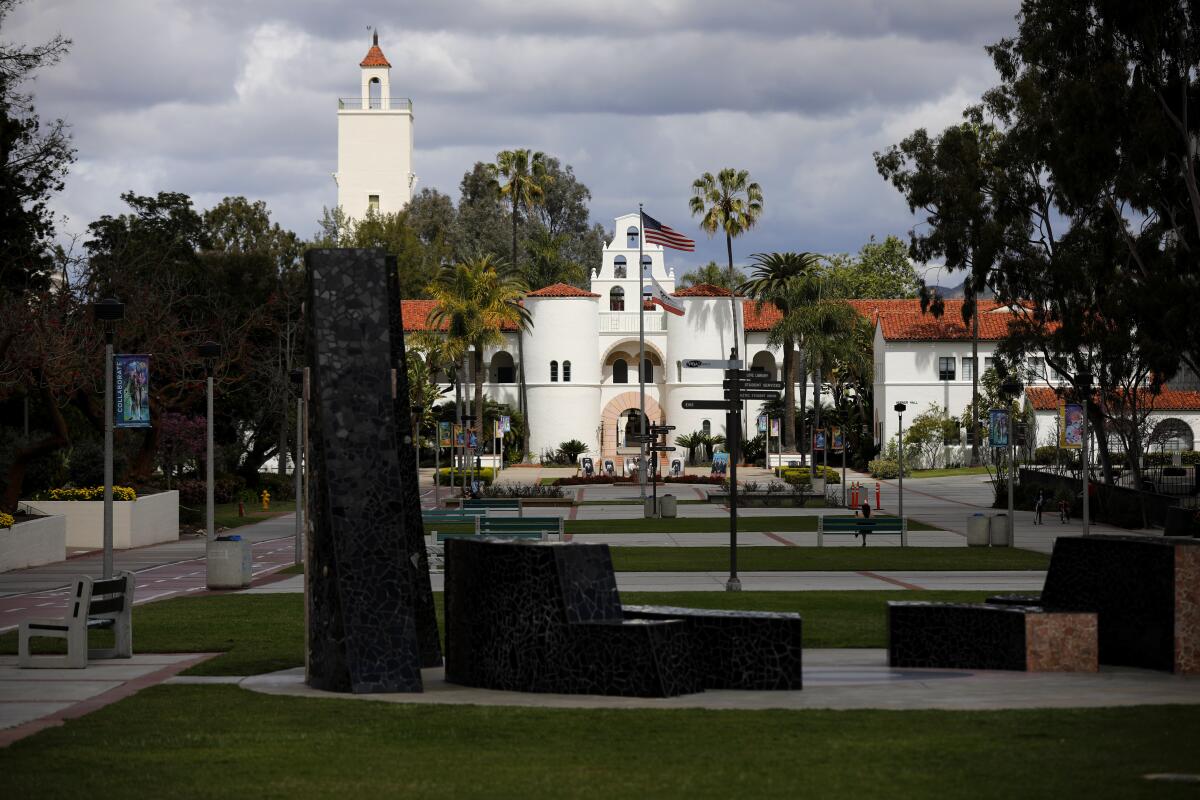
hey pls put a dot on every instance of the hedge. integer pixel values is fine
(91, 493)
(884, 468)
(804, 474)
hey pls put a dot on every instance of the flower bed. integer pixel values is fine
(39, 540)
(149, 519)
(86, 493)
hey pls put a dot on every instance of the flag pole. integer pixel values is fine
(642, 465)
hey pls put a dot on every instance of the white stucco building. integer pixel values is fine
(375, 142)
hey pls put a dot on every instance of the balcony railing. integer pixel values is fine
(627, 321)
(374, 104)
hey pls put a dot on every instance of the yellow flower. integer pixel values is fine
(6, 520)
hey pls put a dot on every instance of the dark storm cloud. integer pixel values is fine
(221, 98)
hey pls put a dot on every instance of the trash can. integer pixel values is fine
(666, 505)
(999, 530)
(977, 530)
(229, 563)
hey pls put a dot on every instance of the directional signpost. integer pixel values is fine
(718, 405)
(712, 363)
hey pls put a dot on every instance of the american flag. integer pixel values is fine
(657, 233)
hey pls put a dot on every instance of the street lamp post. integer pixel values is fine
(297, 376)
(900, 409)
(108, 312)
(468, 453)
(418, 413)
(1009, 390)
(1085, 378)
(209, 351)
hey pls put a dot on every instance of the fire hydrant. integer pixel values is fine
(266, 500)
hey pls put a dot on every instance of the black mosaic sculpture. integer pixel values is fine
(370, 602)
(546, 617)
(956, 636)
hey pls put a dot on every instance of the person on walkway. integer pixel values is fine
(1037, 507)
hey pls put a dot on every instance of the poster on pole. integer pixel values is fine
(131, 402)
(998, 427)
(505, 424)
(818, 440)
(775, 426)
(1070, 425)
(720, 463)
(459, 436)
(762, 423)
(444, 437)
(839, 439)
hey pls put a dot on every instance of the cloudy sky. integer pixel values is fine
(228, 97)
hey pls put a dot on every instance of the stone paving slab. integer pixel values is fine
(833, 679)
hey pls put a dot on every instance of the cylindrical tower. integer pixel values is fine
(562, 368)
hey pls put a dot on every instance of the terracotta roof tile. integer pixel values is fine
(375, 58)
(1043, 398)
(414, 314)
(562, 290)
(702, 290)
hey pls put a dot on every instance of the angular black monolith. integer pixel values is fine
(371, 625)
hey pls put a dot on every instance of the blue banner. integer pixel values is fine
(998, 427)
(131, 401)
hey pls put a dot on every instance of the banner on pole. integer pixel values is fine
(1070, 425)
(818, 440)
(762, 423)
(839, 440)
(775, 426)
(444, 437)
(131, 408)
(505, 424)
(998, 427)
(720, 463)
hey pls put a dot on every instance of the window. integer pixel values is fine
(968, 368)
(648, 371)
(989, 363)
(706, 427)
(1172, 436)
(619, 267)
(647, 265)
(620, 371)
(1037, 369)
(946, 368)
(616, 299)
(566, 372)
(631, 237)
(554, 372)
(374, 93)
(373, 203)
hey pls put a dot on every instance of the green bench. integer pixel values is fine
(493, 504)
(859, 526)
(520, 527)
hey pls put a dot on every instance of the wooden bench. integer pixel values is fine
(453, 513)
(863, 527)
(93, 604)
(520, 528)
(494, 504)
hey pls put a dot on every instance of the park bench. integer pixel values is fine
(493, 504)
(532, 528)
(863, 527)
(93, 604)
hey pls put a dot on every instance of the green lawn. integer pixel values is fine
(691, 525)
(225, 515)
(788, 559)
(264, 633)
(943, 473)
(221, 741)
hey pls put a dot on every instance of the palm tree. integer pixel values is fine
(711, 273)
(730, 202)
(773, 280)
(524, 181)
(689, 442)
(854, 368)
(474, 300)
(547, 265)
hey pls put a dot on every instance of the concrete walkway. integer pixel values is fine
(833, 679)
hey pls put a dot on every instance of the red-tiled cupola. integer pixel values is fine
(375, 56)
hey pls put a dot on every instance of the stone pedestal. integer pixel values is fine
(229, 564)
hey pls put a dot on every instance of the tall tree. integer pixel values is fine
(548, 262)
(728, 202)
(774, 279)
(521, 177)
(475, 299)
(712, 273)
(879, 271)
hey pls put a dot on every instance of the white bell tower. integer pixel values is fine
(375, 137)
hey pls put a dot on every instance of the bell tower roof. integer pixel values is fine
(375, 56)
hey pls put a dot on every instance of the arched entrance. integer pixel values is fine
(618, 416)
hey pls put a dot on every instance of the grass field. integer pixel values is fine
(946, 473)
(221, 741)
(691, 525)
(225, 515)
(789, 559)
(265, 632)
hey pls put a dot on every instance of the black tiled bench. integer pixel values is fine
(983, 636)
(547, 617)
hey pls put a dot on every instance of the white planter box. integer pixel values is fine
(38, 541)
(151, 519)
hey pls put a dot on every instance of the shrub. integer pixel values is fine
(448, 477)
(85, 465)
(704, 479)
(91, 493)
(281, 487)
(191, 492)
(792, 474)
(6, 520)
(535, 490)
(751, 486)
(884, 468)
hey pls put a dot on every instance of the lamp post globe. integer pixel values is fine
(108, 312)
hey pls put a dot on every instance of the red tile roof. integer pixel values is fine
(414, 314)
(375, 58)
(1043, 398)
(562, 290)
(903, 320)
(702, 290)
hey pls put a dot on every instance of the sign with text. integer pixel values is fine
(753, 385)
(712, 363)
(131, 378)
(753, 395)
(723, 405)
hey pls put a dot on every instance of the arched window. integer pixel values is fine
(616, 299)
(1172, 435)
(554, 372)
(648, 371)
(566, 372)
(631, 237)
(620, 371)
(619, 267)
(374, 93)
(503, 369)
(633, 425)
(647, 265)
(706, 427)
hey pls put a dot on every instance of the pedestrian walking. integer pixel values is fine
(1037, 507)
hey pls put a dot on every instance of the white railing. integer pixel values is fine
(627, 321)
